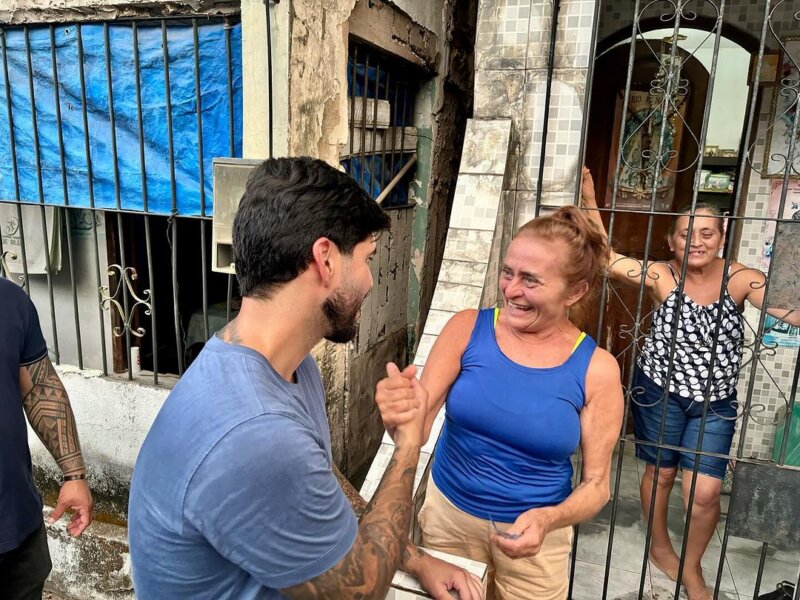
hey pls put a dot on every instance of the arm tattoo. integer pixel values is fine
(50, 415)
(366, 571)
(411, 553)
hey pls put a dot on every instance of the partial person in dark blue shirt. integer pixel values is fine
(524, 388)
(235, 493)
(29, 385)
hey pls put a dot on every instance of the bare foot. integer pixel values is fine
(666, 561)
(695, 585)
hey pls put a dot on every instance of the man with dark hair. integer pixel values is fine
(29, 385)
(235, 494)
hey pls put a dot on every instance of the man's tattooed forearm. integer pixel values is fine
(50, 414)
(366, 571)
(411, 553)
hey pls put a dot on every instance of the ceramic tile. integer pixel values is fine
(436, 320)
(499, 94)
(745, 570)
(574, 34)
(455, 297)
(376, 470)
(468, 273)
(539, 33)
(502, 36)
(486, 143)
(491, 282)
(565, 130)
(424, 347)
(430, 445)
(508, 220)
(468, 245)
(476, 202)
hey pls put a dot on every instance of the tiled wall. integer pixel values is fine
(774, 372)
(512, 53)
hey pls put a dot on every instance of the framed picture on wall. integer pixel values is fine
(769, 69)
(783, 113)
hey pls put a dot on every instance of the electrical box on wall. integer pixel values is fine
(230, 179)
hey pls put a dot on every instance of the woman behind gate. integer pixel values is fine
(705, 363)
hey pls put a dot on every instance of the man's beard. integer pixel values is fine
(341, 310)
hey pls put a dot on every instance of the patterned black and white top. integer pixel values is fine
(694, 341)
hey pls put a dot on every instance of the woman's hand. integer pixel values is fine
(587, 189)
(531, 527)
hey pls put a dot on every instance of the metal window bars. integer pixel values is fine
(381, 151)
(86, 118)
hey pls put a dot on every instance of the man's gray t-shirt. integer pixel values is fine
(233, 494)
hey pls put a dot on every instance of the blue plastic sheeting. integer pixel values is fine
(377, 177)
(400, 95)
(129, 194)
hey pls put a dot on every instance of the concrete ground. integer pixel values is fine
(739, 568)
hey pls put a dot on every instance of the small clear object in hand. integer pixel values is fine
(503, 534)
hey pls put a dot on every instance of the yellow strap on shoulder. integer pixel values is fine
(578, 342)
(496, 314)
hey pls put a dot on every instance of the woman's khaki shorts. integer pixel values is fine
(541, 577)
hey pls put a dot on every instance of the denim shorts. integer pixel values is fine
(682, 427)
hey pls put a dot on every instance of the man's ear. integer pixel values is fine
(325, 260)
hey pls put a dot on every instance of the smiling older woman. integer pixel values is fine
(700, 367)
(524, 387)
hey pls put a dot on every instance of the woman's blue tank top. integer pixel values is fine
(509, 430)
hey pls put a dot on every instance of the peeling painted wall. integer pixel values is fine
(317, 78)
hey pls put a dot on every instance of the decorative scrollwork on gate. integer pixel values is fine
(5, 270)
(125, 278)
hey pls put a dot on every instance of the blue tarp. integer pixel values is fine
(400, 95)
(215, 115)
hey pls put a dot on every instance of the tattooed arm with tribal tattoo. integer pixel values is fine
(47, 406)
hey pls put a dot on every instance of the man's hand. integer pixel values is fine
(74, 495)
(531, 527)
(400, 398)
(439, 578)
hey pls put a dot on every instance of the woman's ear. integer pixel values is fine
(578, 291)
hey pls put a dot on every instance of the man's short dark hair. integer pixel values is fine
(288, 204)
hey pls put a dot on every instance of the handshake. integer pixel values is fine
(403, 404)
